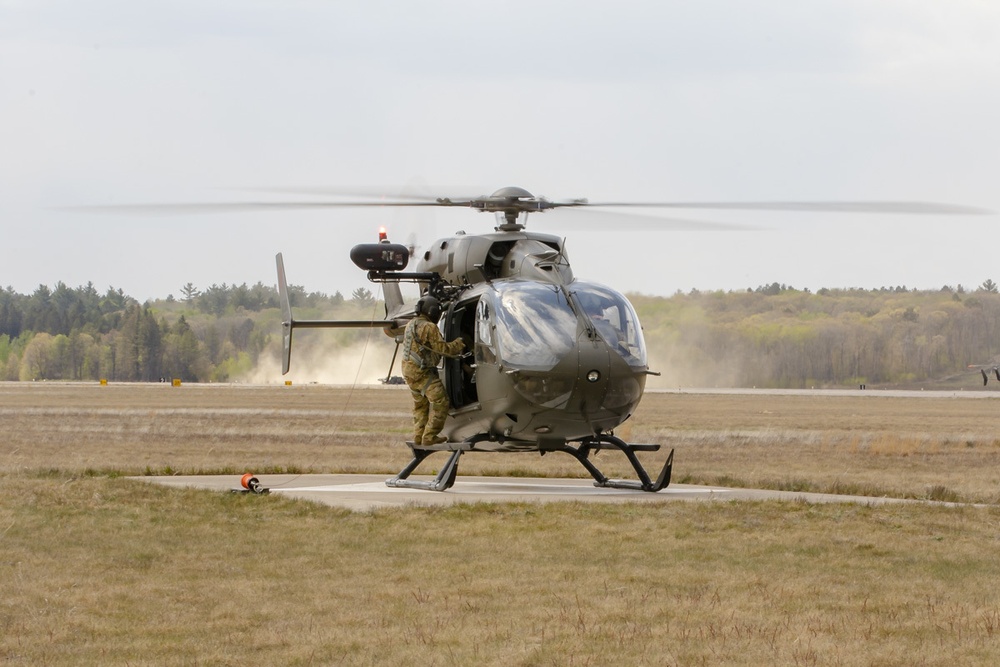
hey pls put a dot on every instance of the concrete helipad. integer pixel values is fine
(367, 492)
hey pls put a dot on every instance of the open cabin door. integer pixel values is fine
(460, 374)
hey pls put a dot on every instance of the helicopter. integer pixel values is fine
(555, 363)
(983, 368)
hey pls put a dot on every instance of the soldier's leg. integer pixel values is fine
(438, 400)
(416, 380)
(421, 408)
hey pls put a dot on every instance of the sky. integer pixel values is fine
(116, 102)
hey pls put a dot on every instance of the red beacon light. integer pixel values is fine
(382, 236)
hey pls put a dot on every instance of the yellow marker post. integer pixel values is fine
(288, 383)
(104, 382)
(176, 382)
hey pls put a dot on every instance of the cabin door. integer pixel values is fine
(460, 374)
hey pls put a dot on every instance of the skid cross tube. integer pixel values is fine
(445, 478)
(589, 444)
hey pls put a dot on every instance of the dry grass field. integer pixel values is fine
(97, 569)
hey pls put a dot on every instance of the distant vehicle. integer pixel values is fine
(985, 369)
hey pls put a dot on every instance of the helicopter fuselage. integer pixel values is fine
(554, 359)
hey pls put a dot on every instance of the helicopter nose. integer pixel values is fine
(610, 387)
(595, 371)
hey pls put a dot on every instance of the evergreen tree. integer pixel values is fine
(190, 292)
(10, 313)
(363, 297)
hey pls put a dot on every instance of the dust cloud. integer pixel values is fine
(682, 366)
(358, 363)
(315, 360)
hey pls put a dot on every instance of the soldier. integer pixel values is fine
(423, 347)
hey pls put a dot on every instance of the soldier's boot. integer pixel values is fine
(432, 434)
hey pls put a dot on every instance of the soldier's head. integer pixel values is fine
(430, 308)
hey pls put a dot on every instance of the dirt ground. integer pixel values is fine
(912, 445)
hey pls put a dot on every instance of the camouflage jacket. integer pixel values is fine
(424, 346)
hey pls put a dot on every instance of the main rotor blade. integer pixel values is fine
(371, 193)
(233, 207)
(488, 203)
(583, 219)
(923, 208)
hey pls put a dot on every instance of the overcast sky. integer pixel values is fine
(118, 102)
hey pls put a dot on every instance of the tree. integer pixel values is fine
(140, 349)
(363, 297)
(214, 300)
(37, 362)
(190, 292)
(182, 356)
(989, 286)
(10, 313)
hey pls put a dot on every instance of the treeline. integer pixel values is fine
(81, 334)
(776, 336)
(769, 336)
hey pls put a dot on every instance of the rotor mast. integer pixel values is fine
(510, 202)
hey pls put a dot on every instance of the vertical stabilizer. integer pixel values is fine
(393, 300)
(286, 316)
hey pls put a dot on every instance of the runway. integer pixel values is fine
(368, 492)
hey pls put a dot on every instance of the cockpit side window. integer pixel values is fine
(612, 316)
(485, 352)
(485, 332)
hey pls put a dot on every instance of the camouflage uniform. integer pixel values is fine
(423, 347)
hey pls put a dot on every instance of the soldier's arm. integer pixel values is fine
(434, 341)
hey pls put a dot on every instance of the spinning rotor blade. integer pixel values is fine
(234, 207)
(929, 208)
(372, 193)
(583, 219)
(512, 201)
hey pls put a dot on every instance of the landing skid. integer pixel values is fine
(446, 477)
(444, 480)
(587, 445)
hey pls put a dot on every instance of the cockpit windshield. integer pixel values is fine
(613, 318)
(535, 325)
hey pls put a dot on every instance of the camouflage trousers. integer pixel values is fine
(430, 404)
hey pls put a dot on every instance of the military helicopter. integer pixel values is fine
(983, 368)
(556, 363)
